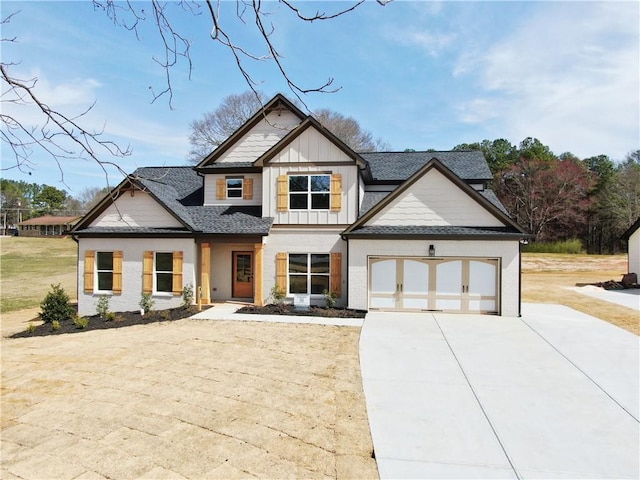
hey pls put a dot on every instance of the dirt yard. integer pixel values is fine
(185, 399)
(546, 278)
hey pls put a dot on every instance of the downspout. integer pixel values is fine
(520, 279)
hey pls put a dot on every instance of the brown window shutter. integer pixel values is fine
(117, 271)
(147, 272)
(336, 192)
(177, 273)
(281, 271)
(247, 189)
(89, 265)
(283, 193)
(221, 189)
(336, 274)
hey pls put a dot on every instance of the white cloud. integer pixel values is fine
(568, 75)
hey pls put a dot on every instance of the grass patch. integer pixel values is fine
(28, 267)
(573, 246)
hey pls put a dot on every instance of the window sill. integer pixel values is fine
(162, 294)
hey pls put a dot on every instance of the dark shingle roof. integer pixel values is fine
(227, 166)
(370, 200)
(435, 231)
(230, 220)
(399, 166)
(180, 190)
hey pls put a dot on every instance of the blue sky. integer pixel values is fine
(418, 75)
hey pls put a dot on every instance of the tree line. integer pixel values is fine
(20, 200)
(562, 197)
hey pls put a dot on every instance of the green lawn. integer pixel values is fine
(29, 266)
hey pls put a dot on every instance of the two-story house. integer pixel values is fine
(283, 203)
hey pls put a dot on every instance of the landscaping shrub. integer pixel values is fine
(56, 306)
(330, 298)
(278, 294)
(102, 307)
(572, 246)
(146, 302)
(81, 322)
(187, 296)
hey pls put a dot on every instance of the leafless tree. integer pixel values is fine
(64, 135)
(215, 126)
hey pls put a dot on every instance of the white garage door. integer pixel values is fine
(469, 285)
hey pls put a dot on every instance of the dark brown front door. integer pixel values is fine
(243, 274)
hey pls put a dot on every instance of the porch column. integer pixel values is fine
(258, 295)
(205, 272)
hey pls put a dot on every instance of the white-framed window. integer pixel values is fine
(104, 271)
(309, 273)
(234, 187)
(163, 272)
(309, 192)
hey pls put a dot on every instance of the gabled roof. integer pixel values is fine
(511, 227)
(180, 191)
(395, 167)
(277, 102)
(308, 122)
(631, 230)
(50, 220)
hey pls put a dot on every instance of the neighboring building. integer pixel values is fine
(47, 226)
(632, 236)
(283, 203)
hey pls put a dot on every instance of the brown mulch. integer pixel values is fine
(287, 309)
(96, 322)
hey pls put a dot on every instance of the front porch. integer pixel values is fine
(230, 270)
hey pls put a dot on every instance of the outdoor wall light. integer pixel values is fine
(432, 251)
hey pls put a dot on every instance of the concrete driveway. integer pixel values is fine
(553, 394)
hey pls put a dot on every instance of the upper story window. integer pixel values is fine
(234, 187)
(309, 192)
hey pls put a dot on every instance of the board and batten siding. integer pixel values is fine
(435, 201)
(507, 251)
(261, 138)
(309, 153)
(132, 269)
(303, 241)
(349, 201)
(210, 190)
(139, 210)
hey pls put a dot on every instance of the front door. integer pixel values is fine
(242, 274)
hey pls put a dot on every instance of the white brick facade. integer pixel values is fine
(133, 250)
(319, 240)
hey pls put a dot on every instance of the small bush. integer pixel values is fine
(187, 296)
(55, 325)
(146, 302)
(278, 294)
(31, 328)
(102, 307)
(110, 317)
(56, 306)
(81, 322)
(330, 298)
(573, 246)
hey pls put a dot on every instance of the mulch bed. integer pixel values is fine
(96, 322)
(287, 309)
